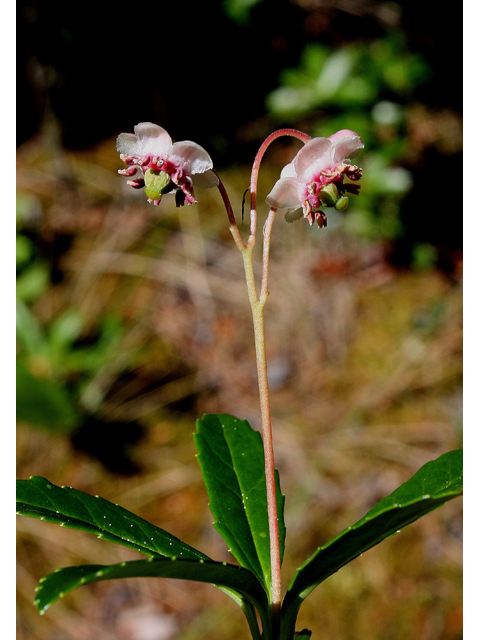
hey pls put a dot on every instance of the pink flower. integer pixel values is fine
(315, 177)
(160, 166)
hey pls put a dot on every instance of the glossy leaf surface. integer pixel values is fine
(434, 484)
(39, 498)
(233, 465)
(222, 575)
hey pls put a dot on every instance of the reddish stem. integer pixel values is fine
(294, 133)
(257, 306)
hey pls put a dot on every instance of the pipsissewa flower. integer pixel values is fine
(163, 167)
(316, 177)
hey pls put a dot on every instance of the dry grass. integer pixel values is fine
(365, 366)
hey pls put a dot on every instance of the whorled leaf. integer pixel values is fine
(434, 484)
(238, 583)
(221, 574)
(71, 508)
(232, 461)
(74, 509)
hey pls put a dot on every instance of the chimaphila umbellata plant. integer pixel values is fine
(237, 463)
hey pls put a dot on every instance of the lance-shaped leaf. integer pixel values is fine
(231, 579)
(39, 498)
(232, 460)
(71, 508)
(434, 484)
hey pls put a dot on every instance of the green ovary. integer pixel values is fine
(157, 183)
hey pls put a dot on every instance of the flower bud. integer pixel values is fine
(157, 183)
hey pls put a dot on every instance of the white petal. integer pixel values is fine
(313, 157)
(127, 143)
(153, 139)
(286, 194)
(288, 171)
(191, 157)
(345, 144)
(341, 135)
(205, 180)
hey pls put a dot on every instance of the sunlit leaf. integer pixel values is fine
(434, 484)
(232, 461)
(74, 509)
(70, 508)
(57, 584)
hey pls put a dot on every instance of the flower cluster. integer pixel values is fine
(315, 177)
(161, 167)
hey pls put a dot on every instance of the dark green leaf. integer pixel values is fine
(233, 580)
(38, 498)
(434, 484)
(75, 509)
(232, 460)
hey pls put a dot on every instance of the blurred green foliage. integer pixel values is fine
(33, 276)
(354, 77)
(44, 402)
(365, 86)
(239, 10)
(55, 368)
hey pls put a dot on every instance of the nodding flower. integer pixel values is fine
(163, 167)
(315, 177)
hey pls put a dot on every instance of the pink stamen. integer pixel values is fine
(131, 171)
(136, 184)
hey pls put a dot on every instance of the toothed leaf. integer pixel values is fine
(74, 509)
(434, 484)
(232, 579)
(233, 465)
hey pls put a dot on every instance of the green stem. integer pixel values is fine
(257, 305)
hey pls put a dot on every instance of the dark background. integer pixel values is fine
(205, 76)
(196, 69)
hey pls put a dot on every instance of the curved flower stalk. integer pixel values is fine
(315, 177)
(163, 167)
